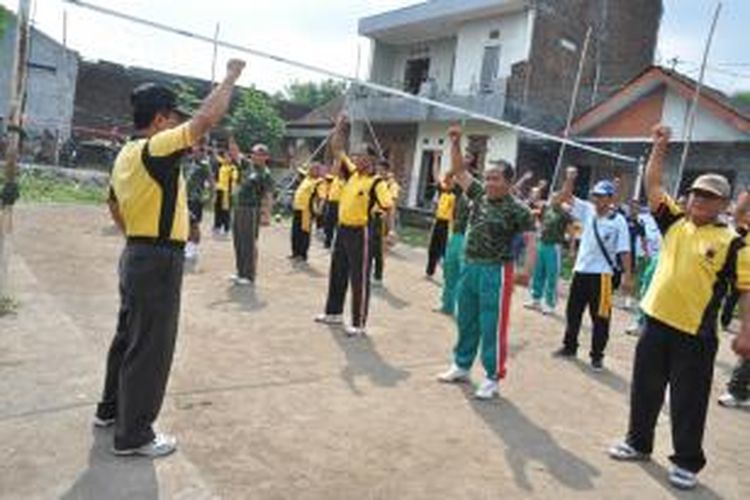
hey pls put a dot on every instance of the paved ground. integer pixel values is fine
(268, 405)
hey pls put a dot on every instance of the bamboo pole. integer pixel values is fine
(15, 123)
(690, 126)
(571, 110)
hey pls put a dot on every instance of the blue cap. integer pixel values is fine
(603, 188)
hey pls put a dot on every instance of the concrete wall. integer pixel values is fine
(389, 61)
(623, 44)
(502, 144)
(708, 127)
(474, 36)
(50, 87)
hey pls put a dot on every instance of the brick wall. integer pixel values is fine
(623, 44)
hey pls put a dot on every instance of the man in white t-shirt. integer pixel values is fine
(603, 252)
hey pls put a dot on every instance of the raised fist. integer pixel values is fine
(661, 135)
(454, 133)
(235, 68)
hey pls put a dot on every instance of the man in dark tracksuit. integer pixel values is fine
(149, 200)
(699, 258)
(350, 260)
(255, 185)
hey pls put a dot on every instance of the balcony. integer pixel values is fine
(422, 21)
(380, 108)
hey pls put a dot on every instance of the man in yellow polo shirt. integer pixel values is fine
(304, 212)
(381, 222)
(443, 219)
(700, 258)
(333, 195)
(350, 260)
(148, 198)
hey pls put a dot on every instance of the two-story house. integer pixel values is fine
(515, 60)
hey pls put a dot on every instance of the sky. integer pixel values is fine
(324, 33)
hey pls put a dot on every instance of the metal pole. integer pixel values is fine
(688, 136)
(15, 123)
(571, 110)
(215, 54)
(374, 86)
(639, 179)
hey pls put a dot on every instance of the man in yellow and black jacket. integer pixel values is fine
(441, 227)
(700, 258)
(148, 200)
(305, 206)
(333, 195)
(381, 221)
(350, 260)
(227, 177)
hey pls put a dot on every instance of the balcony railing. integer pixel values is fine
(380, 108)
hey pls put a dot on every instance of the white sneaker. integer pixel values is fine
(727, 400)
(161, 446)
(355, 331)
(243, 282)
(547, 310)
(102, 423)
(533, 305)
(626, 453)
(633, 329)
(329, 319)
(488, 389)
(377, 283)
(682, 479)
(233, 278)
(454, 375)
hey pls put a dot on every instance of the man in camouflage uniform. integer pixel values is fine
(484, 291)
(198, 175)
(255, 186)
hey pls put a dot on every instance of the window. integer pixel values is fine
(417, 72)
(490, 69)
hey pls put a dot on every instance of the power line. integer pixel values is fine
(347, 78)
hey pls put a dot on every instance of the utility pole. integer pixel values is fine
(15, 131)
(690, 125)
(572, 109)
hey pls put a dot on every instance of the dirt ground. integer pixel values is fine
(268, 405)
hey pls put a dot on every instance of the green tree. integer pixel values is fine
(742, 98)
(254, 119)
(314, 94)
(187, 95)
(4, 19)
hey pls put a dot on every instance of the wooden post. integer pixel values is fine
(571, 110)
(15, 123)
(688, 136)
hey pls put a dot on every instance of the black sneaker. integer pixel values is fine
(564, 352)
(597, 365)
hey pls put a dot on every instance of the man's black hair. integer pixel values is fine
(149, 100)
(508, 170)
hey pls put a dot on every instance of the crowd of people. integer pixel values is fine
(491, 234)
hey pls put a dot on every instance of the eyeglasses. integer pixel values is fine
(708, 195)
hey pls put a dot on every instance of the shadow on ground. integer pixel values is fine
(364, 360)
(246, 298)
(113, 478)
(392, 300)
(659, 474)
(528, 445)
(607, 377)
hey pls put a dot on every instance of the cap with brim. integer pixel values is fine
(260, 148)
(603, 188)
(715, 184)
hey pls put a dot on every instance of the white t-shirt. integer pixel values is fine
(613, 230)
